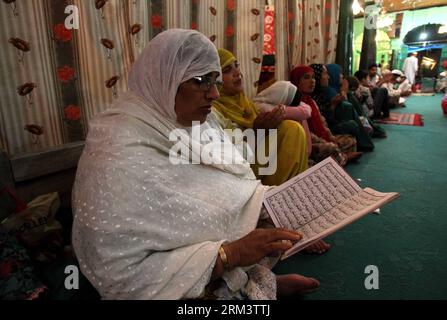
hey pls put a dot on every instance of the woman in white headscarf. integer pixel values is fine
(146, 228)
(283, 93)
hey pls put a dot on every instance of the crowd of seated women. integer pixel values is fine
(146, 228)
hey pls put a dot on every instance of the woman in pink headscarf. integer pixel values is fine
(324, 144)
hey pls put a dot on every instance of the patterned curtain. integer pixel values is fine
(30, 112)
(283, 43)
(54, 80)
(178, 14)
(236, 26)
(104, 58)
(210, 20)
(311, 33)
(250, 41)
(269, 31)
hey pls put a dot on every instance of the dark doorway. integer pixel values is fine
(429, 63)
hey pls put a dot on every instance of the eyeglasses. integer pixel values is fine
(206, 83)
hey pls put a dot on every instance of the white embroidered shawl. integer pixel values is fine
(144, 228)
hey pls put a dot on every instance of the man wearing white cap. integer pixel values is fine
(398, 73)
(404, 83)
(390, 80)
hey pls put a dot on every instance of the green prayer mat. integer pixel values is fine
(407, 242)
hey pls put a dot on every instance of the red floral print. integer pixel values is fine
(61, 33)
(72, 113)
(157, 21)
(65, 74)
(230, 31)
(231, 5)
(291, 16)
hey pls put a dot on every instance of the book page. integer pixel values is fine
(310, 194)
(321, 201)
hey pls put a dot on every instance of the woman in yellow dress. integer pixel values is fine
(234, 105)
(234, 109)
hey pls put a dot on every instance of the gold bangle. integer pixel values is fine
(224, 258)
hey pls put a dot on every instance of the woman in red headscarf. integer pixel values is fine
(324, 144)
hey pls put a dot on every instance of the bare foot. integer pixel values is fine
(318, 248)
(295, 284)
(354, 156)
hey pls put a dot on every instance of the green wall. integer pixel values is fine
(358, 38)
(411, 20)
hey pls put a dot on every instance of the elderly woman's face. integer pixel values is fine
(307, 83)
(194, 99)
(232, 79)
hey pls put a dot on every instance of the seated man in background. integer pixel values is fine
(373, 79)
(404, 84)
(395, 95)
(376, 99)
(353, 97)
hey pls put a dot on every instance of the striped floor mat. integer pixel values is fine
(404, 119)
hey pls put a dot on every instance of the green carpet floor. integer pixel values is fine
(408, 241)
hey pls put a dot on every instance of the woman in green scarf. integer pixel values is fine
(235, 106)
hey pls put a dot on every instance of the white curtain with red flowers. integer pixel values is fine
(211, 21)
(140, 27)
(310, 33)
(54, 80)
(29, 115)
(318, 21)
(282, 38)
(178, 14)
(104, 59)
(250, 42)
(238, 27)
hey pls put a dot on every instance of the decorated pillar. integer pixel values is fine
(369, 46)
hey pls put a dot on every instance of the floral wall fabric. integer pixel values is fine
(236, 26)
(54, 80)
(211, 20)
(250, 41)
(178, 14)
(30, 112)
(283, 40)
(312, 33)
(269, 31)
(104, 55)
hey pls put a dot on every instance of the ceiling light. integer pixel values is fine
(423, 36)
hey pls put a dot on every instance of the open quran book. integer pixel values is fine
(321, 201)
